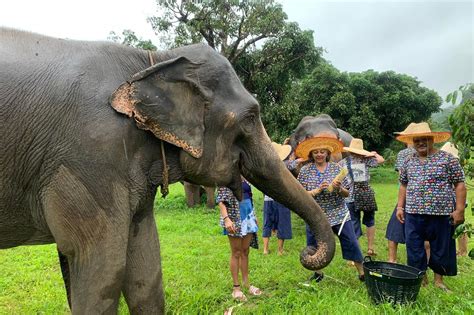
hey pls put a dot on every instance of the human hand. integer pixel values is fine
(336, 184)
(324, 185)
(457, 217)
(229, 225)
(400, 215)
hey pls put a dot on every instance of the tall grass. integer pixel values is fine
(195, 258)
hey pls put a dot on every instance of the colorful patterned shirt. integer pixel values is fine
(246, 220)
(402, 156)
(430, 183)
(360, 170)
(332, 203)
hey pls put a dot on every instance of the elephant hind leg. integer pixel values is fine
(143, 288)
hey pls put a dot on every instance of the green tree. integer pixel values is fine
(230, 27)
(129, 38)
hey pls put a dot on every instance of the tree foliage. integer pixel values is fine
(129, 38)
(230, 27)
(369, 105)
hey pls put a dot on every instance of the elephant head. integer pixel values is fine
(322, 124)
(193, 99)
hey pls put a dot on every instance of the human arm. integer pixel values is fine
(378, 157)
(458, 214)
(402, 194)
(228, 224)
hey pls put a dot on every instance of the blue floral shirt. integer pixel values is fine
(332, 203)
(430, 183)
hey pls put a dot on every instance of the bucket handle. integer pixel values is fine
(421, 273)
(367, 259)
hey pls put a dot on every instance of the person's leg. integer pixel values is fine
(414, 237)
(462, 245)
(442, 249)
(350, 246)
(369, 222)
(395, 234)
(244, 259)
(392, 251)
(284, 226)
(267, 225)
(280, 246)
(355, 219)
(236, 253)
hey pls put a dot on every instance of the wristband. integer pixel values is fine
(401, 208)
(223, 219)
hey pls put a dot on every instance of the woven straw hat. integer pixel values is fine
(450, 148)
(357, 147)
(423, 130)
(283, 150)
(408, 129)
(303, 149)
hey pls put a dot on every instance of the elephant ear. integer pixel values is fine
(167, 100)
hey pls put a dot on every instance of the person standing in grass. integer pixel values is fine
(361, 198)
(326, 183)
(276, 217)
(240, 225)
(395, 233)
(462, 240)
(426, 204)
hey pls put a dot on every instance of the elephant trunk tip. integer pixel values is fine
(313, 258)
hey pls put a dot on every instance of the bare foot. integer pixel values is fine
(442, 286)
(281, 252)
(425, 281)
(266, 252)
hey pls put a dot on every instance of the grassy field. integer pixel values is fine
(196, 277)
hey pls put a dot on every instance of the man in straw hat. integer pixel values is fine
(426, 204)
(361, 196)
(327, 183)
(276, 217)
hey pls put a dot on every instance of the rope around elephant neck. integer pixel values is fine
(165, 178)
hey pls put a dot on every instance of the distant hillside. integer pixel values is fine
(439, 120)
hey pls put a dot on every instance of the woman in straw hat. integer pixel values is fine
(240, 225)
(426, 204)
(462, 240)
(395, 232)
(276, 217)
(327, 183)
(361, 196)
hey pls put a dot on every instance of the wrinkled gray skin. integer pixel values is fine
(78, 171)
(194, 195)
(322, 124)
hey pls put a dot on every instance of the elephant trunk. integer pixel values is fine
(262, 167)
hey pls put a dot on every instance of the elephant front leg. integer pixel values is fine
(143, 288)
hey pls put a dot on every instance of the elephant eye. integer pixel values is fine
(248, 123)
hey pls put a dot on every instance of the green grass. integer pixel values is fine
(197, 280)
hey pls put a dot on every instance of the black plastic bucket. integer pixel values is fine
(393, 283)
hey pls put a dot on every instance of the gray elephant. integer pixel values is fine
(322, 124)
(194, 194)
(90, 130)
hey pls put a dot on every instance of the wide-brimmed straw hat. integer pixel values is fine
(357, 147)
(408, 129)
(283, 150)
(450, 148)
(423, 130)
(333, 145)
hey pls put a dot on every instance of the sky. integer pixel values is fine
(432, 40)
